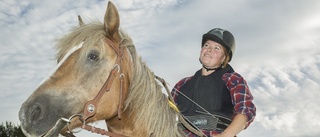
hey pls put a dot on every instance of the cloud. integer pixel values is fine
(277, 49)
(287, 97)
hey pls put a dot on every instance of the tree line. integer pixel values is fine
(8, 129)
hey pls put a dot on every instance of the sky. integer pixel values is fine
(277, 50)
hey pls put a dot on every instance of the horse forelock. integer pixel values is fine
(92, 34)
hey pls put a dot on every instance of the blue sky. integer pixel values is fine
(277, 50)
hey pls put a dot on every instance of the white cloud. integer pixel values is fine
(287, 97)
(277, 50)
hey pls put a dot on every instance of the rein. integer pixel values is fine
(182, 119)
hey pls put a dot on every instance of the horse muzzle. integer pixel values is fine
(37, 118)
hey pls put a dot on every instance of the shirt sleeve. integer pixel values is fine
(176, 89)
(240, 95)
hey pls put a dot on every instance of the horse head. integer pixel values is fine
(85, 58)
(99, 76)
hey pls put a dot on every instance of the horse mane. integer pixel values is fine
(150, 104)
(145, 96)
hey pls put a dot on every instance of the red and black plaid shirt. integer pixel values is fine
(241, 97)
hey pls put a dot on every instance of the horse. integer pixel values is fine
(99, 76)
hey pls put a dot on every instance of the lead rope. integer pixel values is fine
(100, 131)
(95, 130)
(182, 119)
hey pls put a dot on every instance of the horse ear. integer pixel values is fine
(112, 21)
(81, 23)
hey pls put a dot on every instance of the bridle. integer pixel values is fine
(91, 106)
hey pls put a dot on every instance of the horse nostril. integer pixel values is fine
(35, 113)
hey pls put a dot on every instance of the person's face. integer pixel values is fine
(212, 54)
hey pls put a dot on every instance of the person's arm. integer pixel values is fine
(236, 126)
(242, 100)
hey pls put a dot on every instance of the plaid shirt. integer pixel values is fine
(241, 97)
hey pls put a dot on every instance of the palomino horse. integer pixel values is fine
(99, 76)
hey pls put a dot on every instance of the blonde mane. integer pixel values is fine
(145, 97)
(151, 105)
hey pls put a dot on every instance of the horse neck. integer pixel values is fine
(147, 107)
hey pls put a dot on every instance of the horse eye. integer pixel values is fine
(94, 56)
